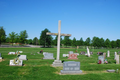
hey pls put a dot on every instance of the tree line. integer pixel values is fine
(48, 41)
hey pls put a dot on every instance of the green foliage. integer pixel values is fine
(12, 37)
(87, 42)
(45, 39)
(113, 44)
(29, 41)
(107, 43)
(74, 43)
(35, 41)
(67, 41)
(23, 35)
(81, 43)
(118, 43)
(2, 35)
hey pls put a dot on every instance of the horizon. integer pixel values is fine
(80, 18)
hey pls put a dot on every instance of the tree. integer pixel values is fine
(55, 40)
(29, 41)
(16, 38)
(107, 43)
(2, 35)
(102, 42)
(113, 44)
(87, 42)
(67, 41)
(35, 41)
(96, 42)
(7, 40)
(23, 36)
(45, 39)
(12, 37)
(81, 42)
(74, 42)
(118, 42)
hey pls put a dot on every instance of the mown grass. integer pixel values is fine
(35, 68)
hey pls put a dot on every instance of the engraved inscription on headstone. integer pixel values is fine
(71, 67)
(48, 56)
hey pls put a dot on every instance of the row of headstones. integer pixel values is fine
(102, 58)
(19, 60)
(69, 67)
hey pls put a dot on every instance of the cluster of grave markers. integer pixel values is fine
(102, 57)
(18, 61)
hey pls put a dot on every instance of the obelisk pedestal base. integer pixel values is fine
(57, 63)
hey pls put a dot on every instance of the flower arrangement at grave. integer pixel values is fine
(16, 61)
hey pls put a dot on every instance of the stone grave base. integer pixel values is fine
(12, 63)
(71, 72)
(111, 70)
(57, 63)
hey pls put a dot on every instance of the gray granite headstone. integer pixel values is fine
(0, 55)
(70, 52)
(101, 58)
(48, 56)
(71, 67)
(23, 57)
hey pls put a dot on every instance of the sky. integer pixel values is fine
(80, 18)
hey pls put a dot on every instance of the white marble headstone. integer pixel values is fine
(20, 51)
(115, 55)
(65, 55)
(76, 53)
(11, 53)
(13, 64)
(88, 52)
(48, 56)
(22, 57)
(108, 53)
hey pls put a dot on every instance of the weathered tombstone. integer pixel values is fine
(82, 52)
(20, 51)
(48, 56)
(22, 57)
(101, 58)
(104, 54)
(16, 62)
(76, 53)
(11, 53)
(70, 52)
(88, 52)
(0, 56)
(108, 53)
(100, 53)
(71, 67)
(72, 56)
(58, 62)
(77, 47)
(115, 55)
(65, 55)
(117, 59)
(91, 53)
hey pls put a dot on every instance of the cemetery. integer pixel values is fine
(82, 67)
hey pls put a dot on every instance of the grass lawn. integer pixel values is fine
(35, 68)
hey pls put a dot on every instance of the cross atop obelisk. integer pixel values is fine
(58, 62)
